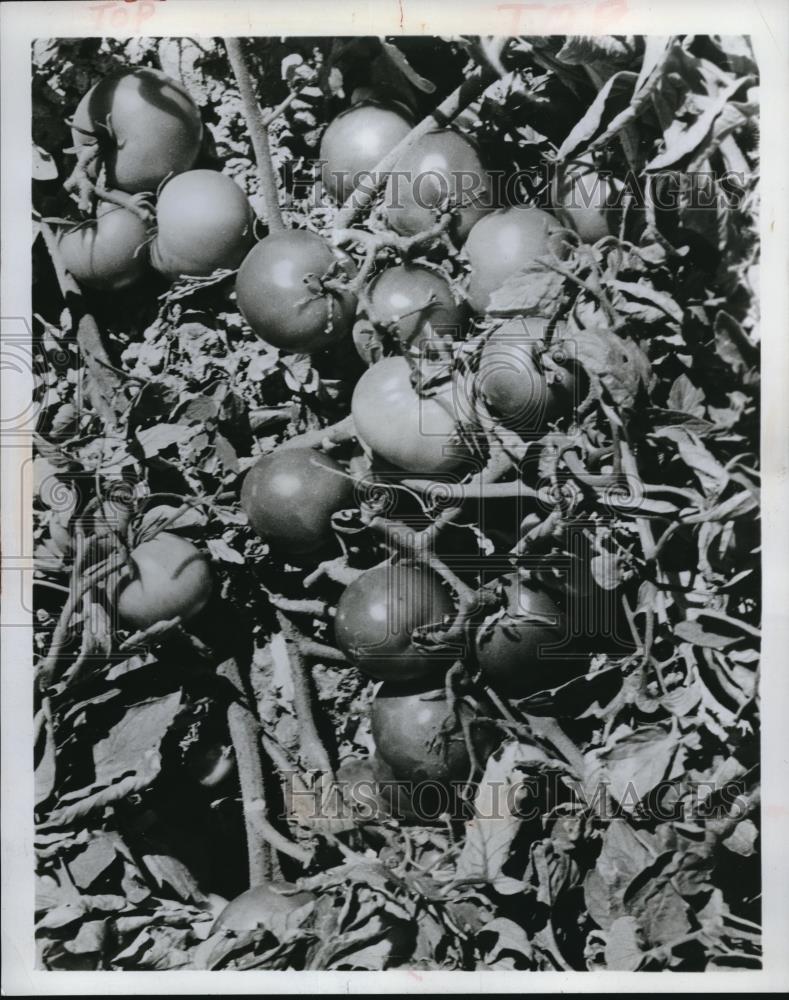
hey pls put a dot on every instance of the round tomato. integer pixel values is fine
(585, 200)
(278, 293)
(203, 222)
(510, 379)
(354, 143)
(519, 652)
(441, 170)
(146, 125)
(377, 613)
(290, 495)
(170, 578)
(503, 244)
(108, 253)
(270, 901)
(416, 433)
(418, 734)
(418, 308)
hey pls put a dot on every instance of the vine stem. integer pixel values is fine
(362, 197)
(77, 591)
(245, 732)
(257, 125)
(312, 748)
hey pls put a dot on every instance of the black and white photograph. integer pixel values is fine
(394, 490)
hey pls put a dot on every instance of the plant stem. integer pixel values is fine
(312, 748)
(257, 126)
(245, 732)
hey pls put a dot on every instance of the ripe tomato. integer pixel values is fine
(171, 577)
(417, 434)
(290, 495)
(146, 124)
(108, 253)
(513, 383)
(514, 650)
(204, 222)
(355, 142)
(260, 904)
(502, 244)
(276, 301)
(377, 613)
(442, 169)
(417, 733)
(585, 200)
(399, 297)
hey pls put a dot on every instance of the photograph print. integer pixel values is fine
(397, 553)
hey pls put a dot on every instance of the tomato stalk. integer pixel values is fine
(312, 748)
(245, 733)
(257, 125)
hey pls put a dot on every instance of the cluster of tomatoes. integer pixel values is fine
(297, 291)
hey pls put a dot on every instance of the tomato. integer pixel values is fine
(585, 200)
(442, 169)
(146, 124)
(204, 222)
(502, 244)
(170, 577)
(417, 733)
(276, 301)
(417, 434)
(108, 253)
(258, 905)
(513, 382)
(377, 613)
(514, 652)
(399, 297)
(354, 143)
(290, 495)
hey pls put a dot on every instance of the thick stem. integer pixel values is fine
(258, 133)
(245, 732)
(312, 749)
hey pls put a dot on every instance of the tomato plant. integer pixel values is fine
(441, 172)
(377, 614)
(109, 253)
(280, 292)
(416, 433)
(290, 495)
(416, 306)
(170, 578)
(470, 429)
(355, 141)
(203, 222)
(524, 648)
(418, 734)
(146, 124)
(501, 245)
